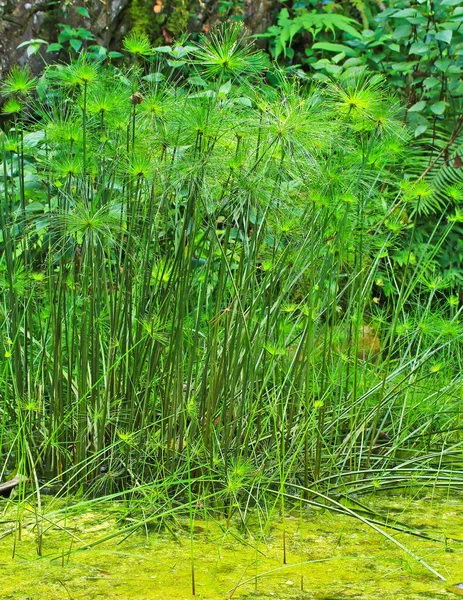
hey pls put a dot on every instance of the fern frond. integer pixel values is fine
(436, 161)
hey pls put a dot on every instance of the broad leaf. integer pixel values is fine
(418, 106)
(404, 13)
(54, 47)
(83, 11)
(76, 44)
(438, 108)
(444, 36)
(335, 48)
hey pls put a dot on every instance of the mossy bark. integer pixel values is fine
(163, 20)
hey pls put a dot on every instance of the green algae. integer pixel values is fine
(328, 557)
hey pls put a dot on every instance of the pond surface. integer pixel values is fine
(328, 556)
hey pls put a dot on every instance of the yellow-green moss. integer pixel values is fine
(331, 557)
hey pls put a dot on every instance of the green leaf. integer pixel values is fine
(418, 106)
(99, 51)
(402, 32)
(438, 108)
(404, 67)
(368, 34)
(115, 55)
(85, 34)
(32, 49)
(335, 48)
(163, 49)
(195, 80)
(36, 42)
(450, 2)
(420, 129)
(404, 13)
(333, 69)
(244, 101)
(32, 139)
(418, 20)
(321, 64)
(457, 90)
(75, 44)
(352, 62)
(315, 22)
(343, 25)
(283, 17)
(34, 207)
(321, 77)
(431, 82)
(418, 48)
(338, 57)
(83, 11)
(444, 36)
(181, 51)
(224, 89)
(442, 64)
(176, 64)
(54, 47)
(42, 87)
(154, 77)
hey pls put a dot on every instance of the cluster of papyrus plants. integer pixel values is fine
(196, 284)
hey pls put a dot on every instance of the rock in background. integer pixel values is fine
(162, 20)
(21, 21)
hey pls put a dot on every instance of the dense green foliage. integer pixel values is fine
(418, 48)
(216, 288)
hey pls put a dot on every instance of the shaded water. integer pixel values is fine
(329, 557)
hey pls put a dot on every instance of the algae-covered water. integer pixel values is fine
(328, 556)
